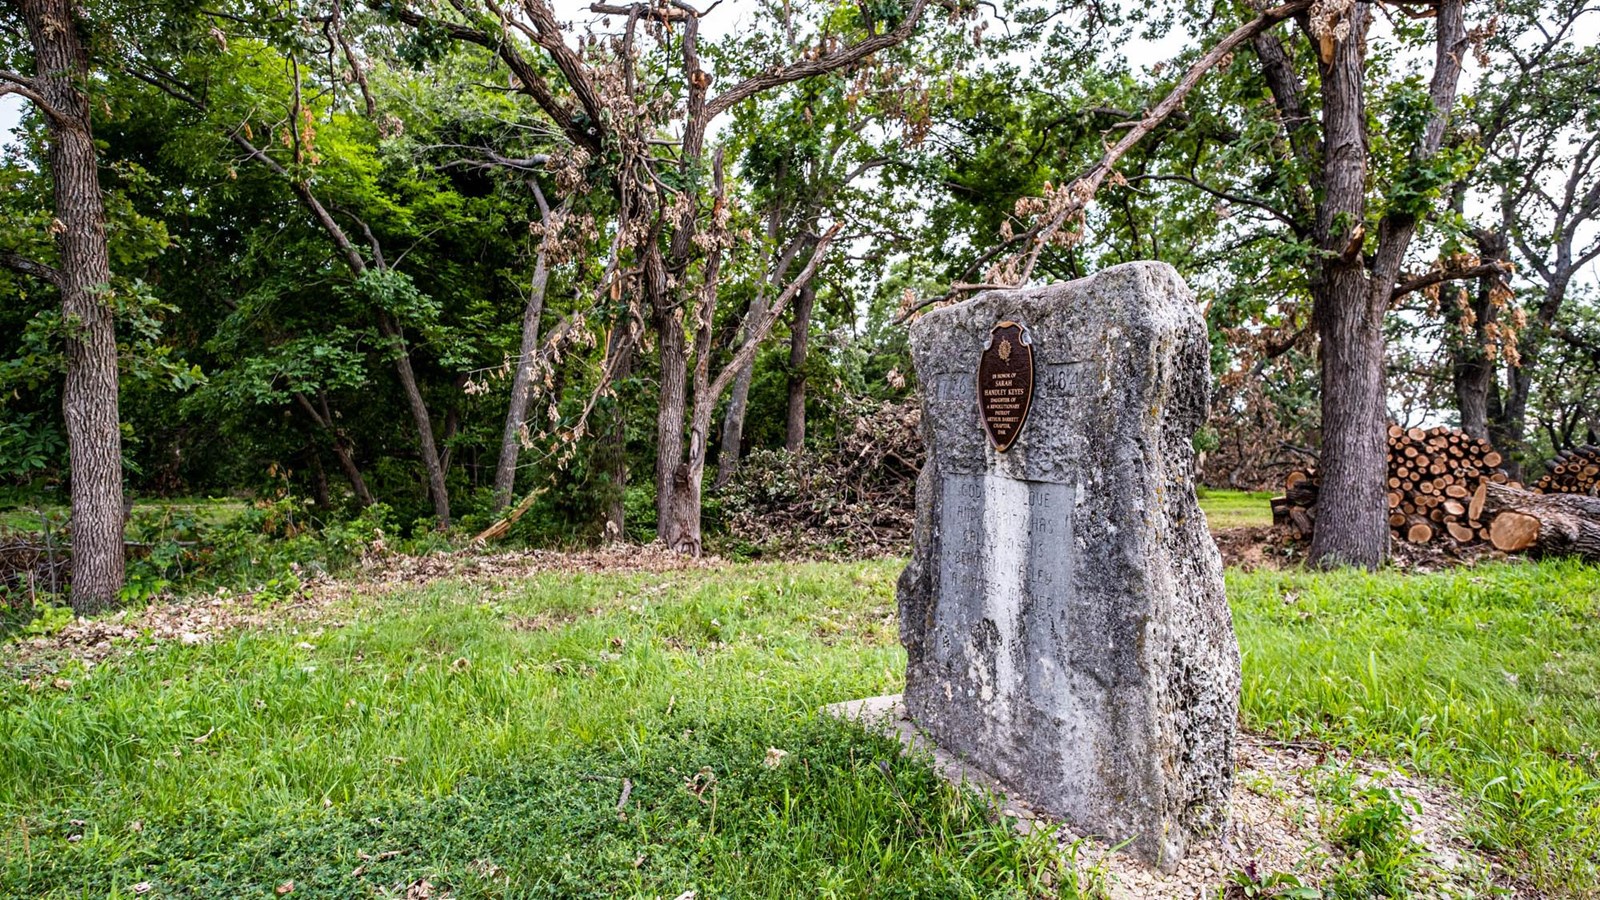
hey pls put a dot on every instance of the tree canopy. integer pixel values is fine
(545, 264)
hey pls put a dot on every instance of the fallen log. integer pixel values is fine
(1550, 524)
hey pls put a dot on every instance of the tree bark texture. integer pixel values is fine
(1472, 371)
(1351, 295)
(505, 474)
(794, 432)
(1352, 525)
(89, 394)
(670, 411)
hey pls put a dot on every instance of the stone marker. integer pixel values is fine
(1063, 612)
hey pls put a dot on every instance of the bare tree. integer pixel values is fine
(1546, 164)
(673, 227)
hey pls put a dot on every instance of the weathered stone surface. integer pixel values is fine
(1063, 613)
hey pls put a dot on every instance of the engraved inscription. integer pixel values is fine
(1007, 560)
(1005, 383)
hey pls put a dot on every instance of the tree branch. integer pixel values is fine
(758, 331)
(1085, 187)
(25, 87)
(16, 262)
(822, 65)
(532, 83)
(1440, 276)
(1298, 229)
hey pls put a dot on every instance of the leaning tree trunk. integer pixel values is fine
(342, 449)
(419, 416)
(505, 475)
(794, 433)
(738, 406)
(388, 326)
(89, 393)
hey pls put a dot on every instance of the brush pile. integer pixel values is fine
(853, 496)
(31, 564)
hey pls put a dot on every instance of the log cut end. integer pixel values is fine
(1513, 531)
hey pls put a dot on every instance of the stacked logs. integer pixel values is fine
(1575, 471)
(1436, 488)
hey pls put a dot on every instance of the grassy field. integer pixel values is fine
(1235, 509)
(596, 735)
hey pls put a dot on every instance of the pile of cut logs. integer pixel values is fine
(1438, 485)
(1575, 471)
(1447, 487)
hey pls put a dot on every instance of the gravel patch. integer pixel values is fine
(1279, 821)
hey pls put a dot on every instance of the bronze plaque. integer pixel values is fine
(1005, 383)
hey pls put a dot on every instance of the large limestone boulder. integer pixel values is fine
(1063, 612)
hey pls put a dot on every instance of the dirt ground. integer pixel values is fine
(1280, 817)
(1271, 547)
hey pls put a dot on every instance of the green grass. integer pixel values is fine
(1486, 677)
(1235, 509)
(482, 734)
(478, 736)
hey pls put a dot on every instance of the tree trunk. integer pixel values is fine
(1349, 305)
(794, 433)
(682, 530)
(452, 422)
(614, 436)
(319, 479)
(342, 449)
(1352, 520)
(673, 380)
(420, 418)
(505, 474)
(1472, 370)
(89, 393)
(669, 417)
(738, 404)
(347, 462)
(1514, 413)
